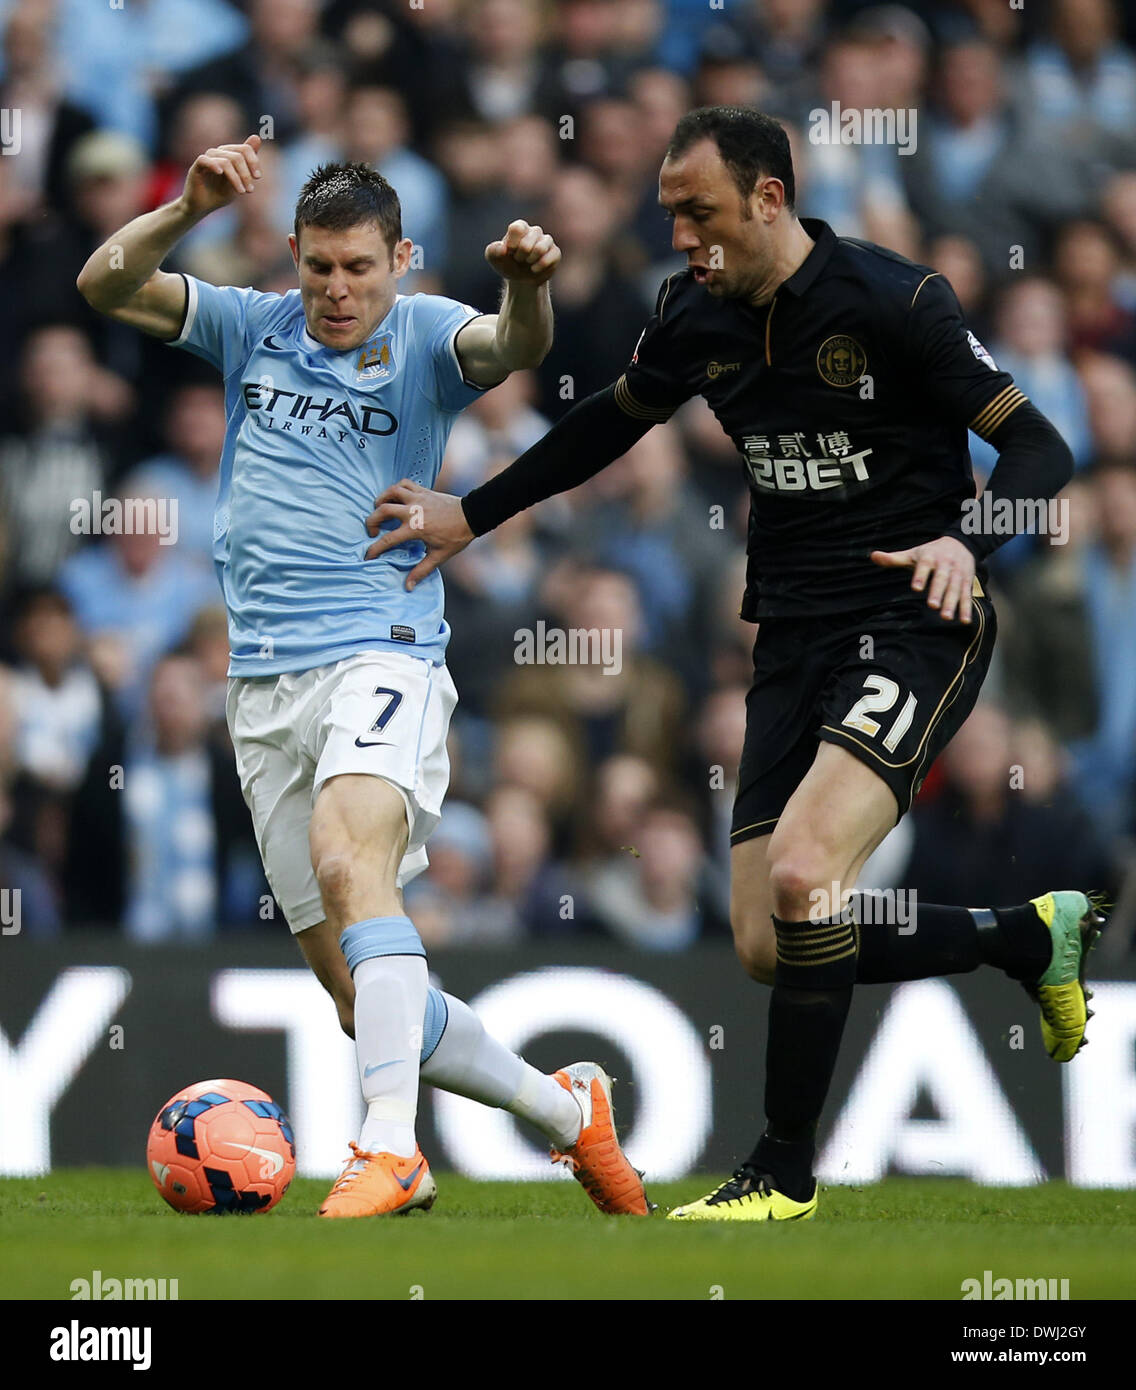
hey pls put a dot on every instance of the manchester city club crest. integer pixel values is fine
(375, 362)
(841, 360)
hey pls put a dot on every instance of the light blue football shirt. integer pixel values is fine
(314, 435)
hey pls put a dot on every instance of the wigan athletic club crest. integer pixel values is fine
(375, 362)
(841, 360)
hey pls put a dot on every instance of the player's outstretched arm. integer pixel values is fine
(520, 333)
(593, 434)
(122, 280)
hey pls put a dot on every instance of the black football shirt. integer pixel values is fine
(849, 396)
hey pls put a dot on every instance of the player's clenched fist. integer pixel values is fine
(525, 254)
(217, 176)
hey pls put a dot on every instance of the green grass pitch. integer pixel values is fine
(904, 1238)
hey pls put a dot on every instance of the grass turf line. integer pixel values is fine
(903, 1238)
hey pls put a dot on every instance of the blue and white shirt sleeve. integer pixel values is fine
(222, 322)
(438, 321)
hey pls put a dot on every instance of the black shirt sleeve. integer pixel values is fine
(651, 387)
(593, 434)
(952, 365)
(1034, 462)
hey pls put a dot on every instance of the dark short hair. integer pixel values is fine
(752, 145)
(338, 196)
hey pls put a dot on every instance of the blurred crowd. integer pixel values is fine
(582, 803)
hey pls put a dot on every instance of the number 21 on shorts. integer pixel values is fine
(884, 692)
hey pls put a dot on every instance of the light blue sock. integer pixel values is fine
(434, 1023)
(379, 936)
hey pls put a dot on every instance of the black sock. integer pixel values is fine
(789, 1162)
(948, 941)
(944, 942)
(812, 990)
(1021, 945)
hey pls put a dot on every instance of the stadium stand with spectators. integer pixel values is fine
(611, 788)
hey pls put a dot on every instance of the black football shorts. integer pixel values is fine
(892, 685)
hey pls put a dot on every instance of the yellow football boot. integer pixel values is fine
(1074, 923)
(747, 1196)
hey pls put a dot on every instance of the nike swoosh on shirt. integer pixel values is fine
(268, 343)
(368, 1071)
(276, 1159)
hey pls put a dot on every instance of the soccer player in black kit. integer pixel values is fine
(847, 379)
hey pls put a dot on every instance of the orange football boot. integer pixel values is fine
(375, 1184)
(597, 1162)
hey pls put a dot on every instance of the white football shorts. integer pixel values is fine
(380, 713)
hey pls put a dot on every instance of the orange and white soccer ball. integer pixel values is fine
(221, 1146)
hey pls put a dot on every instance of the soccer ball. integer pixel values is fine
(221, 1146)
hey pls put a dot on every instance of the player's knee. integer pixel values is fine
(795, 878)
(335, 874)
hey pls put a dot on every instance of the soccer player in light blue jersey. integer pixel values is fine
(339, 700)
